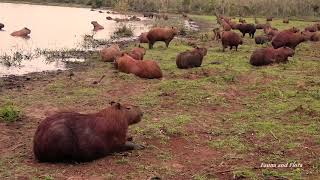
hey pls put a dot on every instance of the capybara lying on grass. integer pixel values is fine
(71, 136)
(1, 26)
(144, 69)
(161, 34)
(143, 38)
(289, 39)
(247, 28)
(262, 39)
(266, 56)
(24, 32)
(190, 59)
(137, 53)
(96, 26)
(111, 53)
(231, 39)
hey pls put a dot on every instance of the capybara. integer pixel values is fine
(293, 29)
(262, 26)
(247, 28)
(308, 34)
(311, 28)
(269, 31)
(161, 34)
(109, 18)
(137, 53)
(110, 54)
(1, 26)
(72, 136)
(143, 38)
(226, 26)
(266, 56)
(230, 38)
(24, 32)
(233, 25)
(96, 26)
(269, 18)
(315, 36)
(286, 21)
(148, 69)
(262, 39)
(289, 39)
(191, 59)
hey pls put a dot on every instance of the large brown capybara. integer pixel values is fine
(71, 136)
(143, 38)
(148, 69)
(266, 56)
(161, 34)
(262, 39)
(288, 39)
(24, 32)
(110, 54)
(247, 28)
(1, 26)
(137, 53)
(191, 59)
(96, 26)
(231, 39)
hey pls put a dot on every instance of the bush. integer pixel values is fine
(9, 113)
(123, 31)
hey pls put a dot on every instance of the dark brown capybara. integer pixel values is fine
(143, 38)
(137, 53)
(71, 136)
(96, 26)
(266, 56)
(110, 54)
(269, 18)
(24, 32)
(1, 26)
(161, 34)
(247, 28)
(285, 21)
(288, 39)
(148, 69)
(191, 59)
(262, 39)
(231, 39)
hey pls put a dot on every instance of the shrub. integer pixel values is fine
(123, 31)
(9, 113)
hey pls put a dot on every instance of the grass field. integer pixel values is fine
(219, 121)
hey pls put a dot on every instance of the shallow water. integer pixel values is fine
(52, 28)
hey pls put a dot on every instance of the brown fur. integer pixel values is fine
(289, 39)
(315, 36)
(312, 28)
(190, 59)
(161, 34)
(247, 28)
(286, 21)
(143, 38)
(24, 32)
(262, 26)
(110, 54)
(144, 69)
(71, 136)
(96, 26)
(269, 31)
(269, 18)
(137, 53)
(262, 39)
(226, 26)
(241, 20)
(266, 56)
(231, 39)
(308, 34)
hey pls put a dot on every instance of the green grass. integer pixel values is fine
(10, 113)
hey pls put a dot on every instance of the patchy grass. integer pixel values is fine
(9, 113)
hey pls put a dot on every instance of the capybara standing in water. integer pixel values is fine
(143, 38)
(231, 39)
(247, 28)
(1, 26)
(24, 32)
(110, 54)
(266, 56)
(71, 136)
(96, 26)
(144, 69)
(289, 39)
(190, 59)
(137, 53)
(161, 34)
(262, 39)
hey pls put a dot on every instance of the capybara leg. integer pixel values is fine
(167, 43)
(231, 47)
(151, 45)
(236, 48)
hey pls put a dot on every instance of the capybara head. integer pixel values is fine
(202, 51)
(133, 113)
(175, 30)
(287, 51)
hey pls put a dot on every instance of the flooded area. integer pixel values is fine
(52, 28)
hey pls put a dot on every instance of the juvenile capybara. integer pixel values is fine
(231, 39)
(72, 136)
(262, 39)
(96, 26)
(247, 28)
(286, 21)
(148, 69)
(1, 26)
(289, 39)
(191, 59)
(143, 38)
(24, 32)
(110, 54)
(266, 56)
(137, 53)
(161, 34)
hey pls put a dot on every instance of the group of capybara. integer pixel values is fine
(24, 32)
(72, 136)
